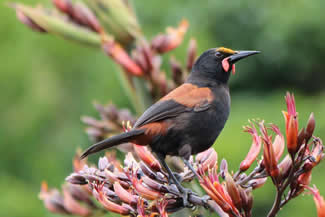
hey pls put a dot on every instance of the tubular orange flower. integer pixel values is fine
(291, 119)
(124, 195)
(319, 201)
(310, 126)
(53, 200)
(77, 163)
(233, 191)
(257, 183)
(285, 166)
(147, 157)
(254, 150)
(141, 208)
(210, 183)
(305, 178)
(120, 56)
(316, 155)
(144, 191)
(109, 205)
(173, 38)
(73, 206)
(278, 143)
(207, 159)
(317, 152)
(162, 208)
(270, 160)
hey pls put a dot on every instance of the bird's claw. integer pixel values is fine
(177, 176)
(205, 199)
(184, 193)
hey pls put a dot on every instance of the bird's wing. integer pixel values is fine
(186, 97)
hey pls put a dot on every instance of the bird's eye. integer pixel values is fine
(219, 55)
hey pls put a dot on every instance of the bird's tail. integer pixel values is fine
(112, 141)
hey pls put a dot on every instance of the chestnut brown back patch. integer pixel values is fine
(190, 95)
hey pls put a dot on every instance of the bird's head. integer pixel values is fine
(217, 63)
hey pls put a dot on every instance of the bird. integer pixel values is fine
(188, 119)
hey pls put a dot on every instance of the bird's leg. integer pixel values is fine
(187, 163)
(185, 153)
(205, 198)
(184, 192)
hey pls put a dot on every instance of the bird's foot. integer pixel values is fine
(184, 193)
(205, 199)
(178, 177)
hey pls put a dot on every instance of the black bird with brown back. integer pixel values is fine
(189, 119)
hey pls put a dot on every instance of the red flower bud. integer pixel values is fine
(247, 199)
(144, 191)
(217, 191)
(52, 199)
(29, 22)
(64, 6)
(85, 16)
(207, 159)
(305, 178)
(233, 191)
(285, 166)
(254, 150)
(121, 57)
(173, 38)
(291, 120)
(162, 208)
(154, 184)
(270, 160)
(73, 206)
(319, 201)
(177, 71)
(81, 193)
(292, 135)
(278, 142)
(191, 54)
(125, 195)
(109, 205)
(147, 157)
(301, 138)
(257, 183)
(310, 126)
(77, 163)
(316, 155)
(223, 168)
(298, 185)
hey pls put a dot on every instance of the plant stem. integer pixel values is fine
(250, 176)
(276, 204)
(143, 94)
(129, 90)
(280, 190)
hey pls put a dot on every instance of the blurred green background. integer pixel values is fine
(46, 84)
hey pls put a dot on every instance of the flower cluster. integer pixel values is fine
(293, 173)
(138, 187)
(110, 123)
